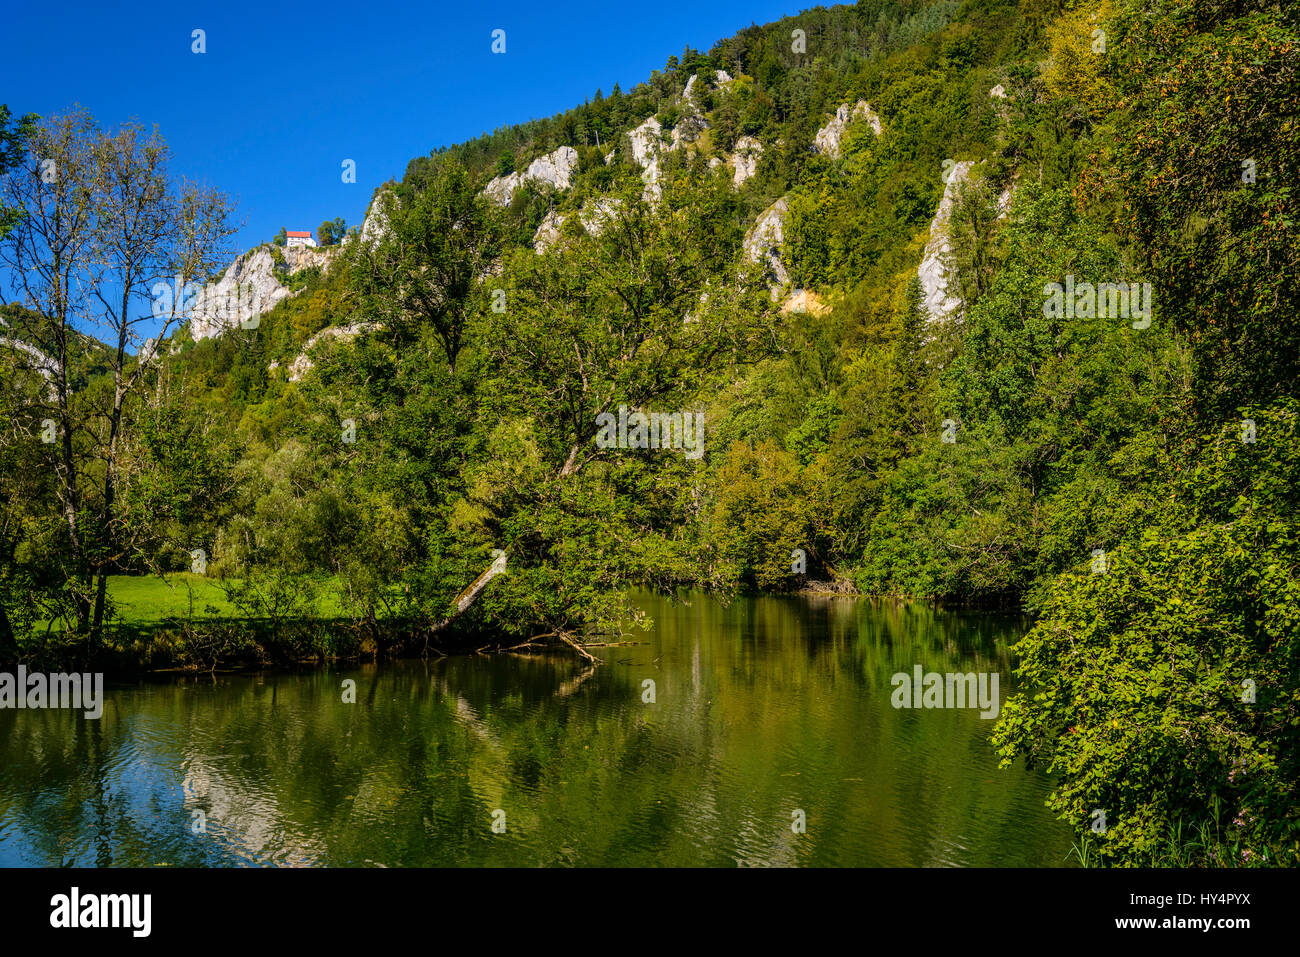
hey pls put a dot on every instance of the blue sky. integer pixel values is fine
(287, 91)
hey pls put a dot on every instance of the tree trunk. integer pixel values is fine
(471, 593)
(110, 471)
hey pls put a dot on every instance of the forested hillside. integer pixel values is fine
(1126, 470)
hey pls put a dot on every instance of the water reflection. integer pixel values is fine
(762, 708)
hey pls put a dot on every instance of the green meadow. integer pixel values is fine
(142, 600)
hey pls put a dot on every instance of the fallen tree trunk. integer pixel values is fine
(471, 593)
(465, 600)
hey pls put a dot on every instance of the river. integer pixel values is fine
(770, 739)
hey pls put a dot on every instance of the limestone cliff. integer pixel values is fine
(827, 140)
(593, 216)
(744, 161)
(935, 269)
(555, 168)
(250, 287)
(303, 363)
(763, 243)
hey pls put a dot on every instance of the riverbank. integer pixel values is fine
(184, 622)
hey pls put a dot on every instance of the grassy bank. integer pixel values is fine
(188, 621)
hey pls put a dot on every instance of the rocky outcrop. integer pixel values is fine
(648, 146)
(652, 177)
(1004, 200)
(645, 142)
(593, 216)
(744, 161)
(298, 258)
(375, 224)
(827, 141)
(152, 349)
(302, 363)
(688, 130)
(689, 92)
(999, 92)
(720, 77)
(555, 168)
(548, 233)
(648, 141)
(597, 213)
(935, 269)
(249, 288)
(763, 243)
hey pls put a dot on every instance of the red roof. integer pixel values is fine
(306, 235)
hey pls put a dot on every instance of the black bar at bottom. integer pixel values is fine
(334, 907)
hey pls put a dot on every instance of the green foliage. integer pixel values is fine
(762, 511)
(1166, 689)
(427, 268)
(11, 154)
(331, 232)
(1193, 94)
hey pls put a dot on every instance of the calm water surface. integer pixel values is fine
(762, 707)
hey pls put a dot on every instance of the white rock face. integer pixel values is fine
(763, 242)
(501, 189)
(720, 77)
(652, 177)
(999, 91)
(645, 142)
(648, 148)
(555, 168)
(302, 363)
(548, 233)
(150, 350)
(1004, 200)
(248, 288)
(827, 141)
(594, 216)
(744, 161)
(375, 224)
(597, 213)
(934, 271)
(251, 288)
(298, 258)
